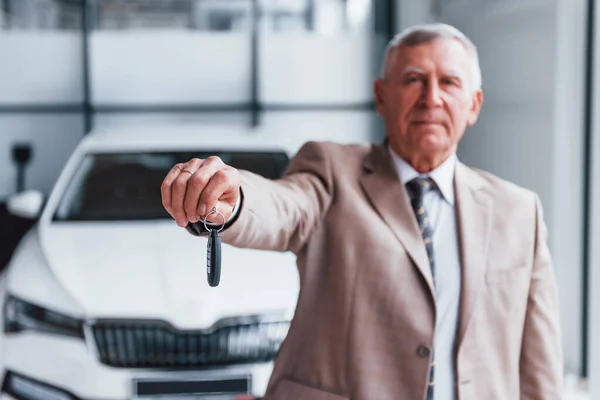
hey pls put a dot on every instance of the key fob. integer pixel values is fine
(213, 258)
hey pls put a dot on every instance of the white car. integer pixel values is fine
(107, 298)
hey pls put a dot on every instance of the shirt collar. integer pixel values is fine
(443, 175)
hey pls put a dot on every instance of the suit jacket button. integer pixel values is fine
(423, 351)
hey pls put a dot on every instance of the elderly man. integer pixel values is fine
(421, 278)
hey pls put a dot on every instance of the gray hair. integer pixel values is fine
(425, 33)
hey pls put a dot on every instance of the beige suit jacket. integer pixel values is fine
(366, 313)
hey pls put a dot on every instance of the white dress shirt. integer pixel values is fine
(440, 206)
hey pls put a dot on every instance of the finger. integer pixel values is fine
(196, 184)
(224, 209)
(165, 187)
(222, 185)
(179, 189)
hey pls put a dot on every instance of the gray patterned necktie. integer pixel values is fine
(417, 188)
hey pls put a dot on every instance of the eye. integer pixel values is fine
(450, 82)
(413, 79)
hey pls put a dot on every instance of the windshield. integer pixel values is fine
(126, 186)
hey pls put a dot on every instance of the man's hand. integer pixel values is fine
(191, 190)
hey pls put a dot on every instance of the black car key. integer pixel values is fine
(213, 252)
(213, 258)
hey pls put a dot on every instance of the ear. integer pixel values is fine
(476, 103)
(378, 91)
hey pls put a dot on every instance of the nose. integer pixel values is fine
(431, 95)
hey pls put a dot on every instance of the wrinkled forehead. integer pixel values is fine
(442, 55)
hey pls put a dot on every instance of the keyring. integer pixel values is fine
(214, 211)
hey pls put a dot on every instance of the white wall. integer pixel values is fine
(171, 68)
(157, 67)
(295, 69)
(410, 13)
(335, 69)
(531, 126)
(594, 278)
(52, 137)
(36, 70)
(295, 126)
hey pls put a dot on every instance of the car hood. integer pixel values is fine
(157, 270)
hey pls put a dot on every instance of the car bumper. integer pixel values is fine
(69, 365)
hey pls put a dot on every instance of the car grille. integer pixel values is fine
(147, 345)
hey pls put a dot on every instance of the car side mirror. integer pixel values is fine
(27, 204)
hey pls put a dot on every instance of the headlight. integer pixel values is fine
(20, 316)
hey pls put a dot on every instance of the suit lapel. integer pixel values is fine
(474, 212)
(383, 187)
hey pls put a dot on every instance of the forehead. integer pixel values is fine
(440, 55)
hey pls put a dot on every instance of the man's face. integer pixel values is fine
(427, 100)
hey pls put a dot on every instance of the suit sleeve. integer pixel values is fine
(280, 214)
(541, 364)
